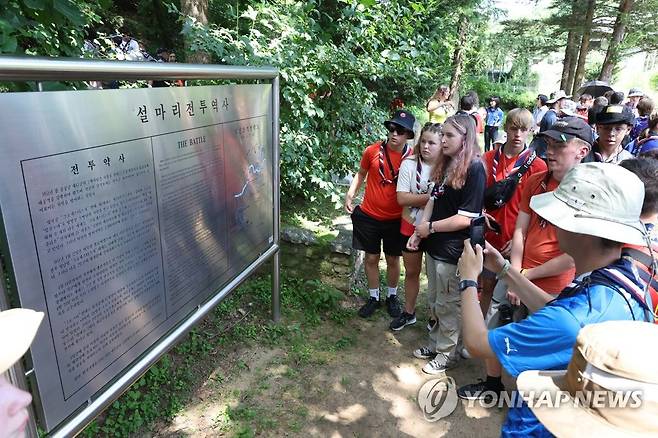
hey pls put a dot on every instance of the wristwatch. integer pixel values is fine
(431, 229)
(465, 284)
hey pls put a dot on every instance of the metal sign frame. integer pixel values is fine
(60, 69)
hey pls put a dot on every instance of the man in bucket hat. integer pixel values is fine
(609, 389)
(535, 250)
(17, 330)
(377, 219)
(634, 97)
(551, 116)
(596, 209)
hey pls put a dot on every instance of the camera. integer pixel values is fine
(505, 313)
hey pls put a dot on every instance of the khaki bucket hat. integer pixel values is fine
(598, 199)
(613, 359)
(17, 330)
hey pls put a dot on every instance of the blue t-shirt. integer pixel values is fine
(545, 341)
(494, 116)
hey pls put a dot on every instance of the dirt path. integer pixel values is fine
(366, 387)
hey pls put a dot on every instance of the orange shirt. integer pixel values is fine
(506, 215)
(380, 200)
(541, 238)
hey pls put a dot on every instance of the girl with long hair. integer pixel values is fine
(459, 181)
(413, 192)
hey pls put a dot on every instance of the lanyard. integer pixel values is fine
(544, 188)
(439, 189)
(521, 160)
(384, 152)
(419, 171)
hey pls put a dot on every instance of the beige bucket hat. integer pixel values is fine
(557, 95)
(598, 199)
(614, 357)
(17, 330)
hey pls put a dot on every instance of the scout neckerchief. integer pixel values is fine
(614, 158)
(544, 188)
(419, 173)
(439, 189)
(383, 151)
(523, 157)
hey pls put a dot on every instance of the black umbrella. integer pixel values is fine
(594, 88)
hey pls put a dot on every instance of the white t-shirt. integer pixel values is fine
(407, 183)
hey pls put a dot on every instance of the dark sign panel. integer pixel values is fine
(123, 211)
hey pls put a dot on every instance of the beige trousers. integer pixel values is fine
(445, 308)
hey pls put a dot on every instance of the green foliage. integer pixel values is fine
(154, 396)
(653, 81)
(47, 28)
(511, 96)
(592, 71)
(341, 63)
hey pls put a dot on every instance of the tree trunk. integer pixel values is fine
(569, 50)
(612, 55)
(572, 65)
(457, 60)
(584, 46)
(197, 9)
(566, 67)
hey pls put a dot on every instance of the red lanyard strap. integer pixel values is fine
(384, 152)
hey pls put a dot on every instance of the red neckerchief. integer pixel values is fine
(384, 152)
(544, 188)
(523, 156)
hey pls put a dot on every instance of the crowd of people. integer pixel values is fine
(124, 47)
(570, 238)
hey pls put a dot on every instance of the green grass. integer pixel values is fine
(161, 392)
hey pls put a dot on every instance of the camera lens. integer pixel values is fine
(504, 314)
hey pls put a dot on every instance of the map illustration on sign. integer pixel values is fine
(251, 186)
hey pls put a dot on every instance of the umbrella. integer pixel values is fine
(595, 88)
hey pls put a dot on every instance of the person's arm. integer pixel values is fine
(532, 296)
(432, 105)
(427, 212)
(407, 199)
(552, 267)
(518, 240)
(415, 239)
(474, 329)
(500, 117)
(354, 188)
(406, 183)
(455, 222)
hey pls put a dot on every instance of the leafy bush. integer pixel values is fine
(653, 81)
(511, 96)
(341, 64)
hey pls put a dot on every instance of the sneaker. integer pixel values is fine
(437, 365)
(430, 324)
(480, 391)
(393, 306)
(369, 307)
(424, 353)
(403, 320)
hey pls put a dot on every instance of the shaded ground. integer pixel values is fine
(339, 376)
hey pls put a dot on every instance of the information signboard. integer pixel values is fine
(124, 210)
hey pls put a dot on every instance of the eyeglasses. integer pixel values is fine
(432, 125)
(397, 129)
